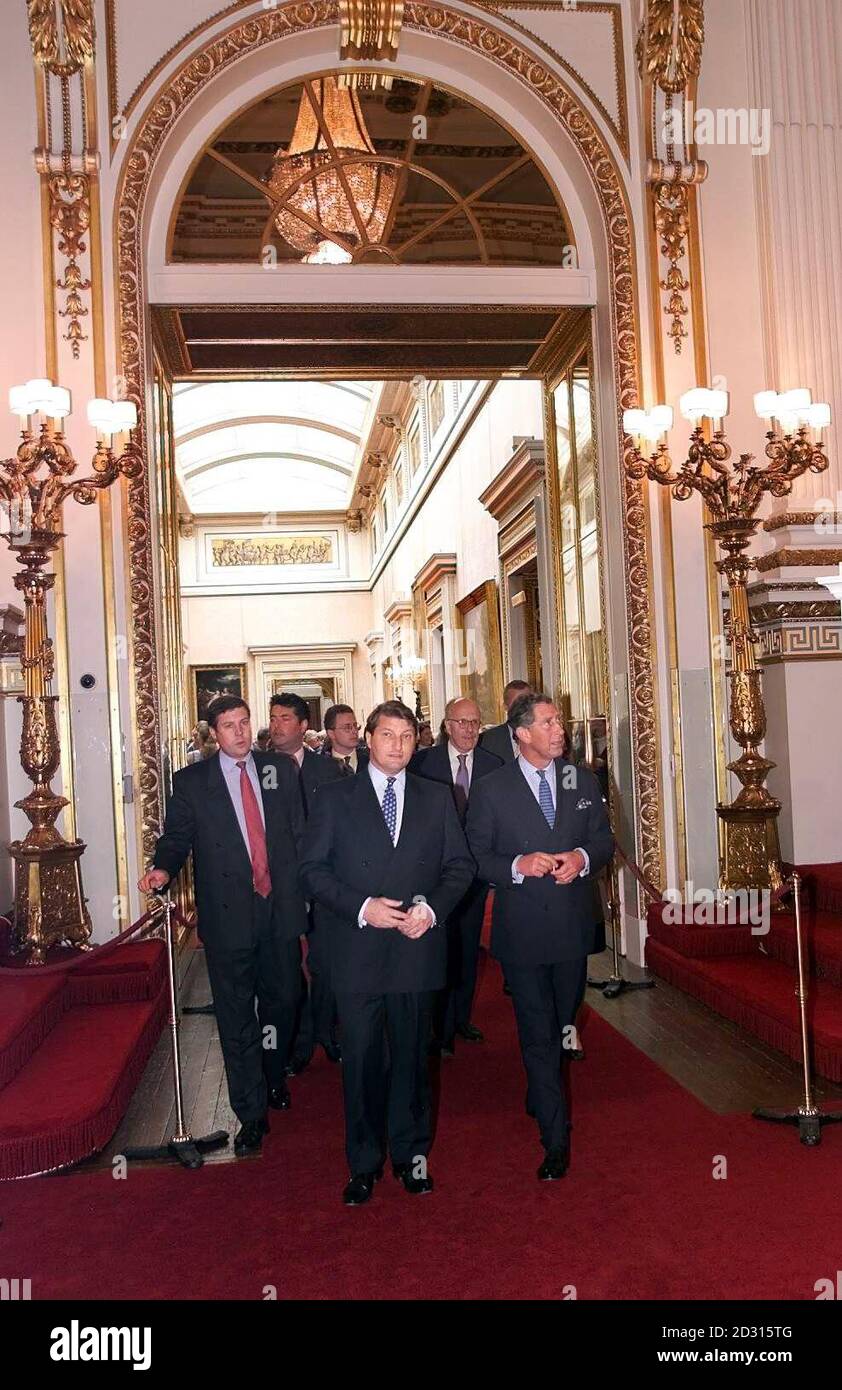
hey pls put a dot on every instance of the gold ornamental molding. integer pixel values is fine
(476, 36)
(62, 34)
(70, 216)
(798, 557)
(370, 29)
(670, 41)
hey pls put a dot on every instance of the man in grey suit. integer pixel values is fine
(500, 740)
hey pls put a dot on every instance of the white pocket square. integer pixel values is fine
(583, 804)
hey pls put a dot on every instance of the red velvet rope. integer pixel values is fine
(777, 895)
(96, 952)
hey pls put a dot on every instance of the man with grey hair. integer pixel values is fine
(539, 832)
(459, 763)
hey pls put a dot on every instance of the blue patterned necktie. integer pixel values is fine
(545, 797)
(390, 807)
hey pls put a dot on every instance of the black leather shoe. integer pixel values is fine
(416, 1186)
(506, 989)
(470, 1033)
(576, 1054)
(441, 1049)
(333, 1051)
(360, 1188)
(298, 1065)
(279, 1097)
(249, 1137)
(555, 1165)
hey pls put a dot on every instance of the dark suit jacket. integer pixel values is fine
(201, 818)
(313, 773)
(539, 922)
(348, 856)
(435, 763)
(498, 741)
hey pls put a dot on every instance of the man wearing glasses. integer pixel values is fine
(459, 763)
(343, 733)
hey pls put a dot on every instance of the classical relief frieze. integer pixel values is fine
(476, 36)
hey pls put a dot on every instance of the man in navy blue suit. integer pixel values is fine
(459, 762)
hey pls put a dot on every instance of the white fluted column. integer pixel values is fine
(795, 58)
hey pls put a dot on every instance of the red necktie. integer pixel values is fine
(256, 834)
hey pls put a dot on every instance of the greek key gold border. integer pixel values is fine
(476, 36)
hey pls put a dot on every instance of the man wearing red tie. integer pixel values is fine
(240, 814)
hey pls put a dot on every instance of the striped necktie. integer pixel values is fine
(545, 797)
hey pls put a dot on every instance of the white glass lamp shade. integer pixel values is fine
(794, 402)
(703, 404)
(58, 403)
(39, 392)
(124, 416)
(766, 405)
(661, 417)
(100, 414)
(634, 421)
(19, 400)
(817, 416)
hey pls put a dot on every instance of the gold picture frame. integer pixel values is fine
(478, 613)
(217, 678)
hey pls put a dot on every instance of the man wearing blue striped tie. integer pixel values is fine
(538, 830)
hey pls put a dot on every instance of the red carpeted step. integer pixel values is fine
(131, 973)
(30, 1007)
(68, 1099)
(824, 882)
(690, 939)
(823, 943)
(758, 994)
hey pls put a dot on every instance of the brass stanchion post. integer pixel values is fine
(807, 1117)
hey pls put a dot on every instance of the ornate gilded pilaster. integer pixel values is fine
(669, 56)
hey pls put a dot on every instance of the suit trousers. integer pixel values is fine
(265, 969)
(316, 1023)
(385, 1077)
(545, 998)
(464, 929)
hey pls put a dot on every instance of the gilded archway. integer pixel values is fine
(477, 35)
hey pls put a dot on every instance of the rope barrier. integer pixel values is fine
(98, 953)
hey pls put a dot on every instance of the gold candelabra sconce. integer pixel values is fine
(34, 484)
(732, 492)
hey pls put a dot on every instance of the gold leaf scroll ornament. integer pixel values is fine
(670, 41)
(77, 33)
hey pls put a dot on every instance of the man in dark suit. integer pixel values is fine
(343, 740)
(499, 739)
(386, 861)
(289, 718)
(240, 815)
(539, 832)
(459, 763)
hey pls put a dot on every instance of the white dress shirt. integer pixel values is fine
(453, 754)
(533, 781)
(231, 774)
(379, 782)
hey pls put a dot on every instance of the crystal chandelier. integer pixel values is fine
(322, 197)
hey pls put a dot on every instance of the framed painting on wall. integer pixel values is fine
(207, 682)
(480, 655)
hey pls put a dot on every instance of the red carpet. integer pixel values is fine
(73, 1047)
(638, 1216)
(752, 979)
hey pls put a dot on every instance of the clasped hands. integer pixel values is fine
(386, 913)
(564, 868)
